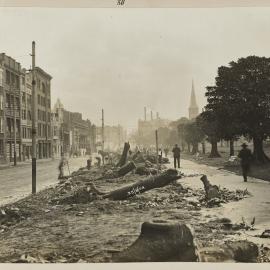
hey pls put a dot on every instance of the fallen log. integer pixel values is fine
(158, 181)
(237, 251)
(211, 191)
(126, 169)
(160, 242)
(123, 158)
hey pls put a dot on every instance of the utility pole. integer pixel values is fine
(34, 130)
(14, 126)
(102, 136)
(156, 132)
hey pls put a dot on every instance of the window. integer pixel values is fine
(17, 81)
(1, 125)
(12, 78)
(1, 77)
(7, 77)
(38, 99)
(29, 115)
(23, 97)
(24, 114)
(43, 88)
(8, 105)
(1, 102)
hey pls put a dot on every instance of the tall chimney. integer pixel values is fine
(151, 115)
(157, 115)
(144, 113)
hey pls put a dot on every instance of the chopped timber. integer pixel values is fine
(123, 158)
(126, 169)
(211, 191)
(158, 181)
(160, 242)
(237, 251)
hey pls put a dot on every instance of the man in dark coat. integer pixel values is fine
(246, 157)
(176, 155)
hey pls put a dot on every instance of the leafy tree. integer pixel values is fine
(193, 134)
(210, 126)
(241, 101)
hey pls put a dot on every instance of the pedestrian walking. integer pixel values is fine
(176, 155)
(246, 157)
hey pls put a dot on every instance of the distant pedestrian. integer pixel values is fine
(176, 156)
(246, 157)
(159, 156)
(61, 166)
(166, 151)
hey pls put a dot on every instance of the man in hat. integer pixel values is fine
(176, 155)
(246, 157)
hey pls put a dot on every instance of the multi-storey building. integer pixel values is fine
(26, 115)
(79, 135)
(44, 130)
(10, 88)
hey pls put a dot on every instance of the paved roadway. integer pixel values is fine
(17, 182)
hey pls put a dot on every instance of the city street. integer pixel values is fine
(16, 182)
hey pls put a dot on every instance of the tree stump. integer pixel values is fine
(123, 158)
(160, 242)
(211, 191)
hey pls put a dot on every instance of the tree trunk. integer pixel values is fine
(203, 147)
(214, 150)
(211, 191)
(126, 169)
(231, 147)
(195, 148)
(126, 192)
(123, 158)
(258, 153)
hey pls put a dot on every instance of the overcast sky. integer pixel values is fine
(124, 59)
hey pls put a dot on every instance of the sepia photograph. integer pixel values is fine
(133, 132)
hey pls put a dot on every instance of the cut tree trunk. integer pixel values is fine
(203, 148)
(211, 191)
(160, 242)
(238, 251)
(195, 148)
(258, 153)
(126, 169)
(152, 182)
(123, 158)
(214, 150)
(231, 147)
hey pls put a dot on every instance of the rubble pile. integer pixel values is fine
(10, 216)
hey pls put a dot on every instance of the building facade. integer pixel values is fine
(79, 136)
(26, 115)
(10, 118)
(44, 129)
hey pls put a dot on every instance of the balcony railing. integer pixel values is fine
(10, 112)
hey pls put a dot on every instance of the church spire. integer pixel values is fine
(193, 107)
